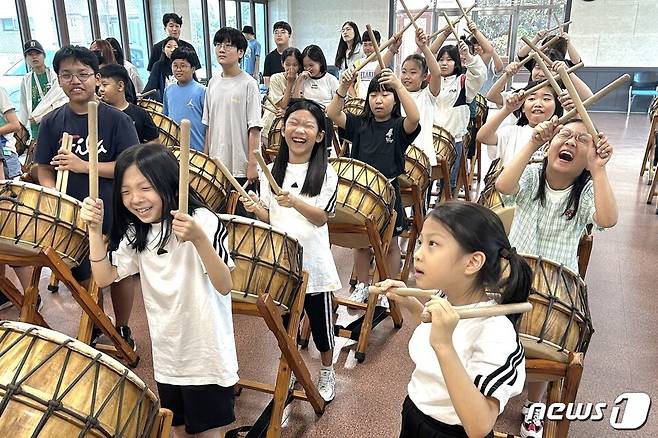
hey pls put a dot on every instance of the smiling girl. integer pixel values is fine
(315, 83)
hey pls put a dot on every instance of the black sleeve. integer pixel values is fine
(131, 92)
(404, 139)
(352, 124)
(47, 141)
(154, 81)
(267, 69)
(156, 52)
(149, 130)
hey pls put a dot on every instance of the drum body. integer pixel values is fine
(168, 129)
(266, 261)
(444, 147)
(417, 171)
(560, 320)
(355, 106)
(274, 138)
(67, 388)
(206, 178)
(363, 192)
(151, 105)
(482, 111)
(33, 217)
(490, 197)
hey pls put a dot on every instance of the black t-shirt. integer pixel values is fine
(380, 144)
(156, 53)
(273, 63)
(146, 129)
(116, 132)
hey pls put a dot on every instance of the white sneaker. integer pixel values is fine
(327, 384)
(533, 428)
(360, 293)
(383, 301)
(525, 408)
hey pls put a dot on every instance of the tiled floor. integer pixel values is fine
(622, 356)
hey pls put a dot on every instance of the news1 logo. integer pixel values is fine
(636, 406)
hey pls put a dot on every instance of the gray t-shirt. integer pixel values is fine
(232, 107)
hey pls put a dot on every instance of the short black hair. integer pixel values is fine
(366, 36)
(166, 18)
(315, 53)
(295, 53)
(282, 25)
(185, 53)
(77, 53)
(116, 72)
(231, 35)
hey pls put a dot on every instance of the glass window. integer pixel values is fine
(214, 25)
(158, 9)
(231, 15)
(261, 32)
(137, 36)
(77, 18)
(42, 24)
(12, 64)
(496, 28)
(108, 18)
(245, 14)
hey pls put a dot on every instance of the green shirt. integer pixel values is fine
(38, 91)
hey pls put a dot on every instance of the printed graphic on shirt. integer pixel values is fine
(389, 136)
(79, 142)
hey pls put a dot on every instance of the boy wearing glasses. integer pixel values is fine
(77, 70)
(185, 98)
(273, 60)
(232, 110)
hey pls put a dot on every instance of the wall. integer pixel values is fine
(616, 33)
(319, 21)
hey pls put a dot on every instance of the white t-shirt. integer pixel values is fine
(191, 324)
(365, 76)
(491, 353)
(321, 89)
(318, 260)
(6, 105)
(425, 102)
(231, 108)
(511, 139)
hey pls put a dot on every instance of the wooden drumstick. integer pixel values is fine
(229, 176)
(454, 22)
(549, 75)
(554, 39)
(92, 147)
(267, 108)
(452, 28)
(184, 166)
(578, 103)
(267, 97)
(378, 53)
(64, 184)
(60, 173)
(464, 14)
(538, 50)
(597, 96)
(390, 41)
(267, 173)
(544, 83)
(406, 9)
(405, 291)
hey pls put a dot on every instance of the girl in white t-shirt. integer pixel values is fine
(185, 277)
(466, 370)
(506, 142)
(309, 184)
(315, 83)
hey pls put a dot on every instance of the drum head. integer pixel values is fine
(168, 129)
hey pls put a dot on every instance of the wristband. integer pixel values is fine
(99, 260)
(339, 95)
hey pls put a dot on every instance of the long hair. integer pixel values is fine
(576, 189)
(116, 49)
(317, 166)
(374, 87)
(341, 51)
(160, 167)
(316, 54)
(523, 120)
(103, 52)
(476, 228)
(421, 62)
(453, 53)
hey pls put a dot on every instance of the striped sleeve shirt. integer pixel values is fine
(489, 350)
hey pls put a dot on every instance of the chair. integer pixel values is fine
(643, 84)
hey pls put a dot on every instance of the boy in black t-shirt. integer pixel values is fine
(77, 69)
(112, 89)
(273, 62)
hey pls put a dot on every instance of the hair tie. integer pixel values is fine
(506, 253)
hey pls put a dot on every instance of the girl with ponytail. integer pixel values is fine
(466, 370)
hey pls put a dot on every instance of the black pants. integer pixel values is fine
(318, 308)
(239, 209)
(415, 424)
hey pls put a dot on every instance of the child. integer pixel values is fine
(349, 46)
(251, 61)
(380, 138)
(466, 370)
(184, 268)
(112, 90)
(314, 82)
(185, 98)
(368, 72)
(483, 47)
(36, 85)
(309, 183)
(281, 86)
(133, 73)
(458, 89)
(77, 68)
(555, 201)
(232, 110)
(508, 141)
(273, 61)
(161, 74)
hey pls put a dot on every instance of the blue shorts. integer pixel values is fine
(11, 164)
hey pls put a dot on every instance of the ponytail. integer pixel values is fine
(516, 287)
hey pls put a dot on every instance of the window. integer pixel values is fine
(77, 18)
(214, 25)
(261, 32)
(42, 26)
(9, 24)
(12, 64)
(245, 14)
(137, 36)
(108, 18)
(231, 15)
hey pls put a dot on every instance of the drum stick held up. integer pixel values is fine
(92, 147)
(544, 83)
(597, 96)
(538, 50)
(184, 166)
(229, 176)
(378, 53)
(64, 144)
(578, 103)
(453, 22)
(464, 13)
(452, 28)
(411, 17)
(566, 23)
(547, 72)
(542, 47)
(267, 173)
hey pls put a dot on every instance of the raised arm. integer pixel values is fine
(525, 50)
(412, 119)
(335, 108)
(487, 47)
(605, 205)
(487, 133)
(432, 63)
(495, 93)
(440, 39)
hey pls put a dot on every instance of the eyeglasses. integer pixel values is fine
(180, 67)
(225, 46)
(82, 77)
(281, 32)
(581, 138)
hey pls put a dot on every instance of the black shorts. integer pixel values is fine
(415, 424)
(319, 310)
(198, 407)
(400, 222)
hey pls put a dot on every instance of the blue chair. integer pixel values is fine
(643, 84)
